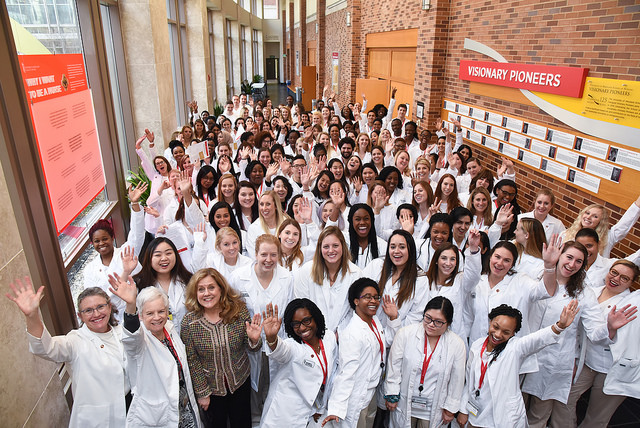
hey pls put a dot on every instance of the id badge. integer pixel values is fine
(420, 402)
(473, 406)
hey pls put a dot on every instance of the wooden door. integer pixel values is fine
(308, 85)
(377, 91)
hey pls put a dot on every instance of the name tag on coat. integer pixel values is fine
(309, 363)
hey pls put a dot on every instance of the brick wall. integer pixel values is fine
(603, 36)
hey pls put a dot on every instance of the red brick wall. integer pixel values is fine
(603, 36)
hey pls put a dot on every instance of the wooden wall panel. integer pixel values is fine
(403, 66)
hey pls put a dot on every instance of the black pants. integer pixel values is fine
(232, 408)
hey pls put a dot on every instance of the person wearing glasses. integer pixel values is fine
(362, 354)
(608, 368)
(425, 376)
(306, 359)
(94, 352)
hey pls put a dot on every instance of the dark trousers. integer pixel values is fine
(232, 408)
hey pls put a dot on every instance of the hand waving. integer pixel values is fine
(25, 298)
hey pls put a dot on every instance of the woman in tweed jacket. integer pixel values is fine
(217, 333)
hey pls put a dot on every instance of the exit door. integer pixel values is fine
(272, 69)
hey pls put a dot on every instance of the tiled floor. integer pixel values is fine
(277, 93)
(627, 415)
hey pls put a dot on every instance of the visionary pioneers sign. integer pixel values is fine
(568, 81)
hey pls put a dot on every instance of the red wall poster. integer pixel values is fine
(64, 123)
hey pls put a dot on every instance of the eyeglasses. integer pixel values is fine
(305, 321)
(436, 323)
(90, 311)
(370, 297)
(505, 193)
(623, 278)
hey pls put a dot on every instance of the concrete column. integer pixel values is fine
(145, 37)
(198, 46)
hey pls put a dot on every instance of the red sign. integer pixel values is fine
(568, 81)
(64, 122)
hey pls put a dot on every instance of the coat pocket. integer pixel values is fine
(145, 414)
(93, 416)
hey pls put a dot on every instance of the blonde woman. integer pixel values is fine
(228, 256)
(363, 147)
(480, 205)
(270, 216)
(542, 206)
(596, 217)
(326, 279)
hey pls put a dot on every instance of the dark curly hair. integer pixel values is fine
(313, 309)
(357, 287)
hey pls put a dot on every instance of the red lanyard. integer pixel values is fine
(426, 361)
(374, 329)
(166, 334)
(259, 192)
(483, 365)
(323, 367)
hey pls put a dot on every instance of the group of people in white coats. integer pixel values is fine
(335, 268)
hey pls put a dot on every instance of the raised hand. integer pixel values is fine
(568, 314)
(285, 166)
(150, 135)
(135, 193)
(474, 240)
(435, 207)
(126, 290)
(407, 223)
(271, 323)
(152, 211)
(254, 328)
(129, 261)
(505, 215)
(201, 227)
(357, 183)
(389, 307)
(184, 183)
(305, 177)
(551, 252)
(305, 211)
(162, 229)
(620, 318)
(25, 298)
(393, 92)
(271, 171)
(388, 148)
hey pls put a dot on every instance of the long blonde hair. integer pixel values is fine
(280, 215)
(231, 304)
(602, 229)
(319, 268)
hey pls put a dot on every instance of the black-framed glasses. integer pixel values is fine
(90, 311)
(304, 321)
(436, 323)
(370, 297)
(623, 278)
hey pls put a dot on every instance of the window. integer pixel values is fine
(229, 62)
(243, 53)
(256, 43)
(179, 58)
(212, 57)
(270, 9)
(256, 8)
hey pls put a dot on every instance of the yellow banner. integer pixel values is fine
(609, 100)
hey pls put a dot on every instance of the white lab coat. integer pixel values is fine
(253, 232)
(96, 274)
(405, 363)
(359, 370)
(518, 291)
(556, 363)
(624, 376)
(331, 299)
(294, 390)
(503, 377)
(463, 285)
(532, 266)
(550, 224)
(155, 393)
(279, 292)
(99, 377)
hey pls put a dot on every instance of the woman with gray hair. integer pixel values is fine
(93, 352)
(161, 382)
